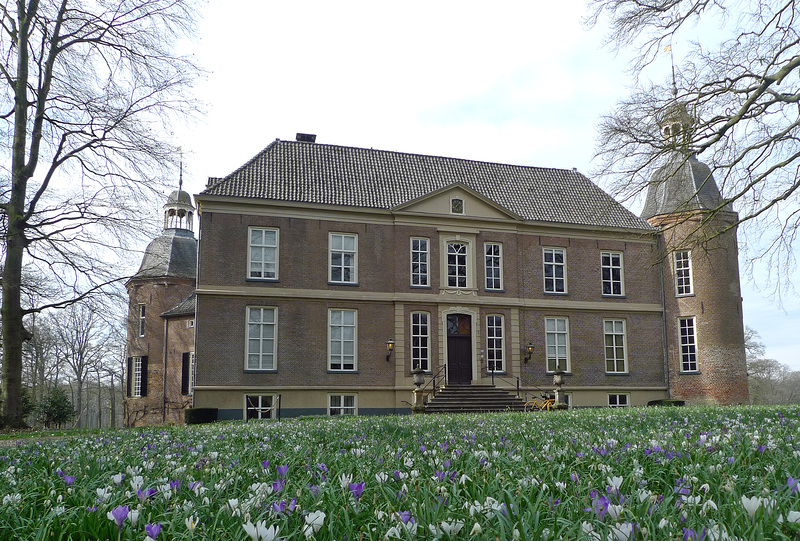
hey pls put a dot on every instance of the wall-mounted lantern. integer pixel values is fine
(389, 348)
(528, 352)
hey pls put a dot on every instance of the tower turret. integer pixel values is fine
(161, 321)
(703, 304)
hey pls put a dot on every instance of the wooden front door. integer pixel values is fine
(459, 348)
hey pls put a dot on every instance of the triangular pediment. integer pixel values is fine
(440, 203)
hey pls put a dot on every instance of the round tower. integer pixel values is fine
(702, 299)
(161, 336)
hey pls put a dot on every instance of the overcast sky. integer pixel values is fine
(520, 82)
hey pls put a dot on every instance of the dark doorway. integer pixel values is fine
(459, 348)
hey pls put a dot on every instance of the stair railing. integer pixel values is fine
(440, 373)
(508, 381)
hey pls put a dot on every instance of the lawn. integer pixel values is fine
(655, 473)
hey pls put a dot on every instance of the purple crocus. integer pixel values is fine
(356, 489)
(599, 505)
(278, 485)
(283, 470)
(118, 514)
(146, 493)
(793, 484)
(175, 485)
(405, 516)
(282, 508)
(265, 464)
(691, 535)
(152, 530)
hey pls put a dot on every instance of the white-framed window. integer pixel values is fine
(190, 323)
(259, 406)
(457, 205)
(613, 277)
(136, 377)
(555, 270)
(616, 400)
(688, 344)
(140, 315)
(262, 338)
(192, 372)
(342, 340)
(420, 256)
(494, 265)
(342, 404)
(420, 341)
(343, 258)
(495, 359)
(616, 357)
(683, 272)
(557, 343)
(457, 264)
(262, 262)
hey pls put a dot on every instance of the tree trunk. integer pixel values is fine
(113, 400)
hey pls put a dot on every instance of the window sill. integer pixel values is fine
(618, 373)
(412, 286)
(487, 290)
(689, 373)
(342, 371)
(684, 295)
(260, 371)
(612, 296)
(343, 284)
(556, 293)
(262, 280)
(549, 373)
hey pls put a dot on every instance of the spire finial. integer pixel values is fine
(180, 174)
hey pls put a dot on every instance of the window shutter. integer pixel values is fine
(144, 375)
(185, 373)
(130, 376)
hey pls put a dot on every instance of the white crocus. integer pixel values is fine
(793, 516)
(314, 521)
(751, 505)
(614, 482)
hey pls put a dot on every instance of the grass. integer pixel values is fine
(655, 473)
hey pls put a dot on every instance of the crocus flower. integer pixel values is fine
(356, 489)
(118, 515)
(751, 505)
(192, 523)
(793, 516)
(265, 464)
(152, 531)
(314, 522)
(68, 479)
(793, 484)
(282, 470)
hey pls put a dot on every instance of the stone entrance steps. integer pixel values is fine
(473, 399)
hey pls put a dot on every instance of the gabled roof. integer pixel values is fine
(358, 177)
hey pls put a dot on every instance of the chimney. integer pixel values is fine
(306, 138)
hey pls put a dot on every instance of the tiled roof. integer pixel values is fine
(359, 177)
(186, 307)
(683, 184)
(172, 254)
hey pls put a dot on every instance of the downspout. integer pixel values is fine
(664, 330)
(164, 384)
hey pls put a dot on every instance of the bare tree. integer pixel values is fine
(740, 92)
(770, 381)
(88, 87)
(81, 347)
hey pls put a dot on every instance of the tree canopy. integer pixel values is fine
(739, 82)
(87, 92)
